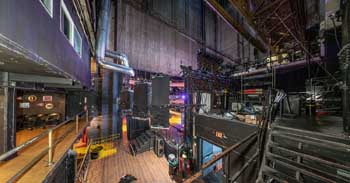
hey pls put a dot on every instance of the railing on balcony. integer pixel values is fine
(50, 146)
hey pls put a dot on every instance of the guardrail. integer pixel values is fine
(48, 149)
(81, 175)
(82, 171)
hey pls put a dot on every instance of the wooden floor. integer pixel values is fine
(146, 167)
(25, 135)
(40, 170)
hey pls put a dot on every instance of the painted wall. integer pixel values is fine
(27, 23)
(150, 44)
(161, 35)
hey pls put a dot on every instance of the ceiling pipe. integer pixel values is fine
(102, 36)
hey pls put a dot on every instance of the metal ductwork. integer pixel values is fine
(102, 36)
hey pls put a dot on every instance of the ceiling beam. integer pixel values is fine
(236, 25)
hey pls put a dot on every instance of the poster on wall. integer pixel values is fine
(47, 98)
(49, 106)
(24, 105)
(32, 98)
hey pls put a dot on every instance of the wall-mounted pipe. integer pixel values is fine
(102, 36)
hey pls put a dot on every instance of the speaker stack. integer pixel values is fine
(160, 101)
(142, 99)
(159, 146)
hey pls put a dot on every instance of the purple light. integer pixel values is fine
(183, 97)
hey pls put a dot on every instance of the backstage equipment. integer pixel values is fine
(160, 102)
(197, 82)
(322, 96)
(159, 146)
(143, 142)
(136, 126)
(142, 99)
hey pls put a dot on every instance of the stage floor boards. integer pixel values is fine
(146, 167)
(40, 170)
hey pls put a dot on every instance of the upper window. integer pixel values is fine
(47, 5)
(69, 30)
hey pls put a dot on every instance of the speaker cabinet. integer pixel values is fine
(159, 146)
(136, 126)
(160, 116)
(160, 90)
(142, 98)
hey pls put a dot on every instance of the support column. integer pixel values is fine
(344, 58)
(7, 114)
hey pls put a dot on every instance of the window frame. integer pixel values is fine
(49, 11)
(72, 29)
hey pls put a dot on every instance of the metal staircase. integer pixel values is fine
(294, 155)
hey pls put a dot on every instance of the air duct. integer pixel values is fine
(102, 36)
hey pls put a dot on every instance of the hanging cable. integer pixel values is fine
(332, 17)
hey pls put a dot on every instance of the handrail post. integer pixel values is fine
(87, 115)
(77, 124)
(50, 162)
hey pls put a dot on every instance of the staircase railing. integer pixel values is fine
(82, 172)
(84, 166)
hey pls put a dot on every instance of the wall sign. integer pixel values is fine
(47, 98)
(24, 105)
(219, 134)
(49, 106)
(32, 98)
(40, 104)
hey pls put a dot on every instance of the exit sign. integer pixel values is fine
(219, 134)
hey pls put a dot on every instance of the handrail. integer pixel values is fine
(82, 171)
(84, 165)
(48, 149)
(105, 139)
(219, 156)
(11, 152)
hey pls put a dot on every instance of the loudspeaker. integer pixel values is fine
(160, 90)
(160, 116)
(126, 99)
(142, 98)
(136, 126)
(159, 146)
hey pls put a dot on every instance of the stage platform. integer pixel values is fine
(146, 167)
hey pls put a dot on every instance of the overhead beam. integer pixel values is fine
(247, 17)
(213, 4)
(39, 79)
(269, 6)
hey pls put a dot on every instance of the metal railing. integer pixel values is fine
(81, 175)
(48, 150)
(226, 152)
(107, 139)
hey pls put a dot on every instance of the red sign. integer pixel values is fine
(47, 98)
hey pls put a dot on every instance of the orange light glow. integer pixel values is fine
(175, 118)
(124, 127)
